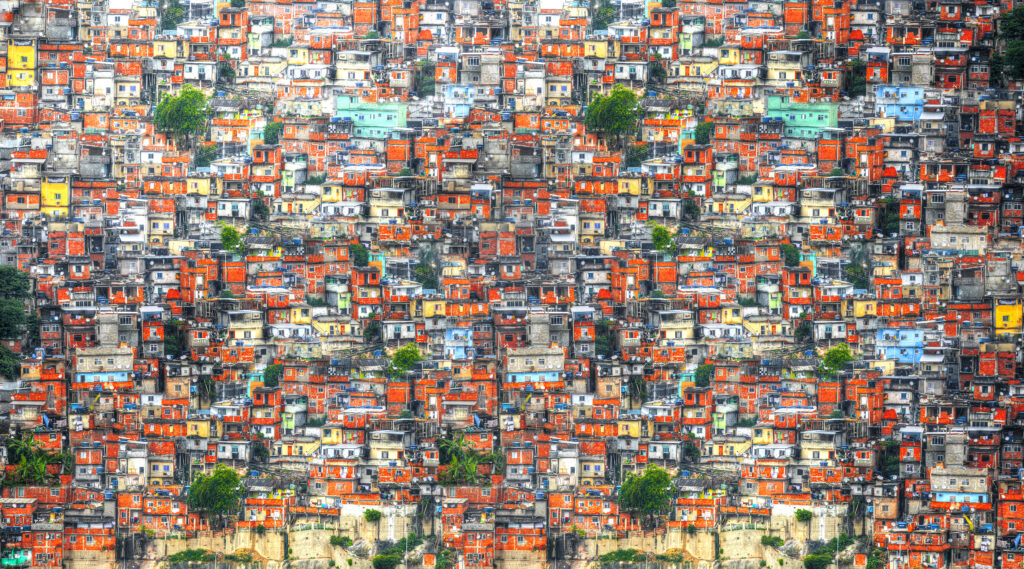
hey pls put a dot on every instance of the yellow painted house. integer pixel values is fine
(170, 48)
(332, 434)
(729, 55)
(296, 446)
(432, 308)
(732, 314)
(21, 63)
(729, 204)
(596, 48)
(859, 307)
(1007, 316)
(300, 313)
(55, 196)
(764, 434)
(763, 192)
(332, 326)
(629, 186)
(198, 185)
(726, 447)
(298, 55)
(634, 427)
(198, 428)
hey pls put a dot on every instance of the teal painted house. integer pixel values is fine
(803, 120)
(371, 120)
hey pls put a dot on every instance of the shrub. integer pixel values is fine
(803, 515)
(817, 561)
(190, 555)
(340, 540)
(387, 561)
(244, 557)
(771, 541)
(619, 555)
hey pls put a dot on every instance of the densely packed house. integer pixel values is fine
(772, 246)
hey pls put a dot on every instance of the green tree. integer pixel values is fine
(218, 494)
(426, 270)
(360, 256)
(889, 461)
(453, 446)
(15, 320)
(204, 155)
(802, 332)
(1013, 59)
(662, 240)
(803, 515)
(182, 116)
(889, 217)
(856, 78)
(614, 115)
(424, 82)
(259, 209)
(636, 155)
(647, 495)
(260, 452)
(272, 132)
(371, 333)
(404, 359)
(272, 375)
(996, 67)
(1011, 24)
(174, 338)
(703, 375)
(657, 73)
(691, 210)
(702, 133)
(231, 239)
(12, 319)
(173, 14)
(225, 73)
(602, 14)
(14, 284)
(10, 364)
(835, 360)
(857, 275)
(790, 254)
(604, 337)
(205, 387)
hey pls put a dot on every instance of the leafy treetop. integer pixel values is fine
(647, 494)
(615, 114)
